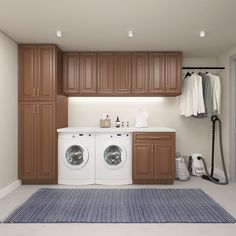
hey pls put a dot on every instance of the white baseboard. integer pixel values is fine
(9, 188)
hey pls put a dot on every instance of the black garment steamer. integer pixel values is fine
(208, 176)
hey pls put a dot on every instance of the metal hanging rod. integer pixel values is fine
(202, 68)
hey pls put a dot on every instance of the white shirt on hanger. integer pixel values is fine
(201, 106)
(191, 100)
(216, 93)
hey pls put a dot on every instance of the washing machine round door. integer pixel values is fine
(114, 156)
(76, 157)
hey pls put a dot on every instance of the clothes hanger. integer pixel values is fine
(187, 75)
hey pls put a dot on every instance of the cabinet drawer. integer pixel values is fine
(151, 136)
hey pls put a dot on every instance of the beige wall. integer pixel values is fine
(9, 115)
(193, 135)
(224, 60)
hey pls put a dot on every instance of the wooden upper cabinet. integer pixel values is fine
(71, 73)
(27, 81)
(140, 73)
(105, 73)
(46, 84)
(122, 76)
(27, 140)
(173, 74)
(156, 73)
(37, 72)
(46, 141)
(122, 73)
(88, 73)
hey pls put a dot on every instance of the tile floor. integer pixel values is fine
(224, 195)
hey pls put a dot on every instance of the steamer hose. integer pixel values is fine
(211, 178)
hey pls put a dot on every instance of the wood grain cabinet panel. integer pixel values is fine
(46, 164)
(105, 73)
(27, 140)
(27, 81)
(37, 141)
(140, 73)
(88, 75)
(157, 73)
(173, 74)
(142, 163)
(163, 161)
(122, 75)
(46, 84)
(71, 83)
(153, 157)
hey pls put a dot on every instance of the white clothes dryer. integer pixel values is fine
(76, 158)
(114, 158)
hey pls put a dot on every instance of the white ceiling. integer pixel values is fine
(102, 25)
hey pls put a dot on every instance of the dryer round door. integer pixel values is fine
(76, 156)
(114, 156)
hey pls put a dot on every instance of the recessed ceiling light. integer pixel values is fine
(130, 33)
(59, 33)
(202, 33)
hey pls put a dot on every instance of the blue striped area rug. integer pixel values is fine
(120, 206)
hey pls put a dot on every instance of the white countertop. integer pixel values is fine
(113, 129)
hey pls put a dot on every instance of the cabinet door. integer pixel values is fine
(27, 83)
(46, 66)
(140, 73)
(105, 73)
(71, 73)
(173, 74)
(88, 73)
(164, 161)
(46, 159)
(122, 73)
(156, 73)
(27, 142)
(143, 161)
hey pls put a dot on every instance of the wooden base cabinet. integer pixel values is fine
(37, 142)
(153, 158)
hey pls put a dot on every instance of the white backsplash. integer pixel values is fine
(193, 135)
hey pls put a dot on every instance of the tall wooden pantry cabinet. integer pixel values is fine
(42, 110)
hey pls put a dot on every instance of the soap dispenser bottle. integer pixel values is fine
(117, 124)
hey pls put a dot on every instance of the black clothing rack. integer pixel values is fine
(202, 68)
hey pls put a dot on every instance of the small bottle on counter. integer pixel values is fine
(117, 124)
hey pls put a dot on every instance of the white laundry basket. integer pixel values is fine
(182, 172)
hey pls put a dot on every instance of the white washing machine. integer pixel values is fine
(76, 158)
(114, 158)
